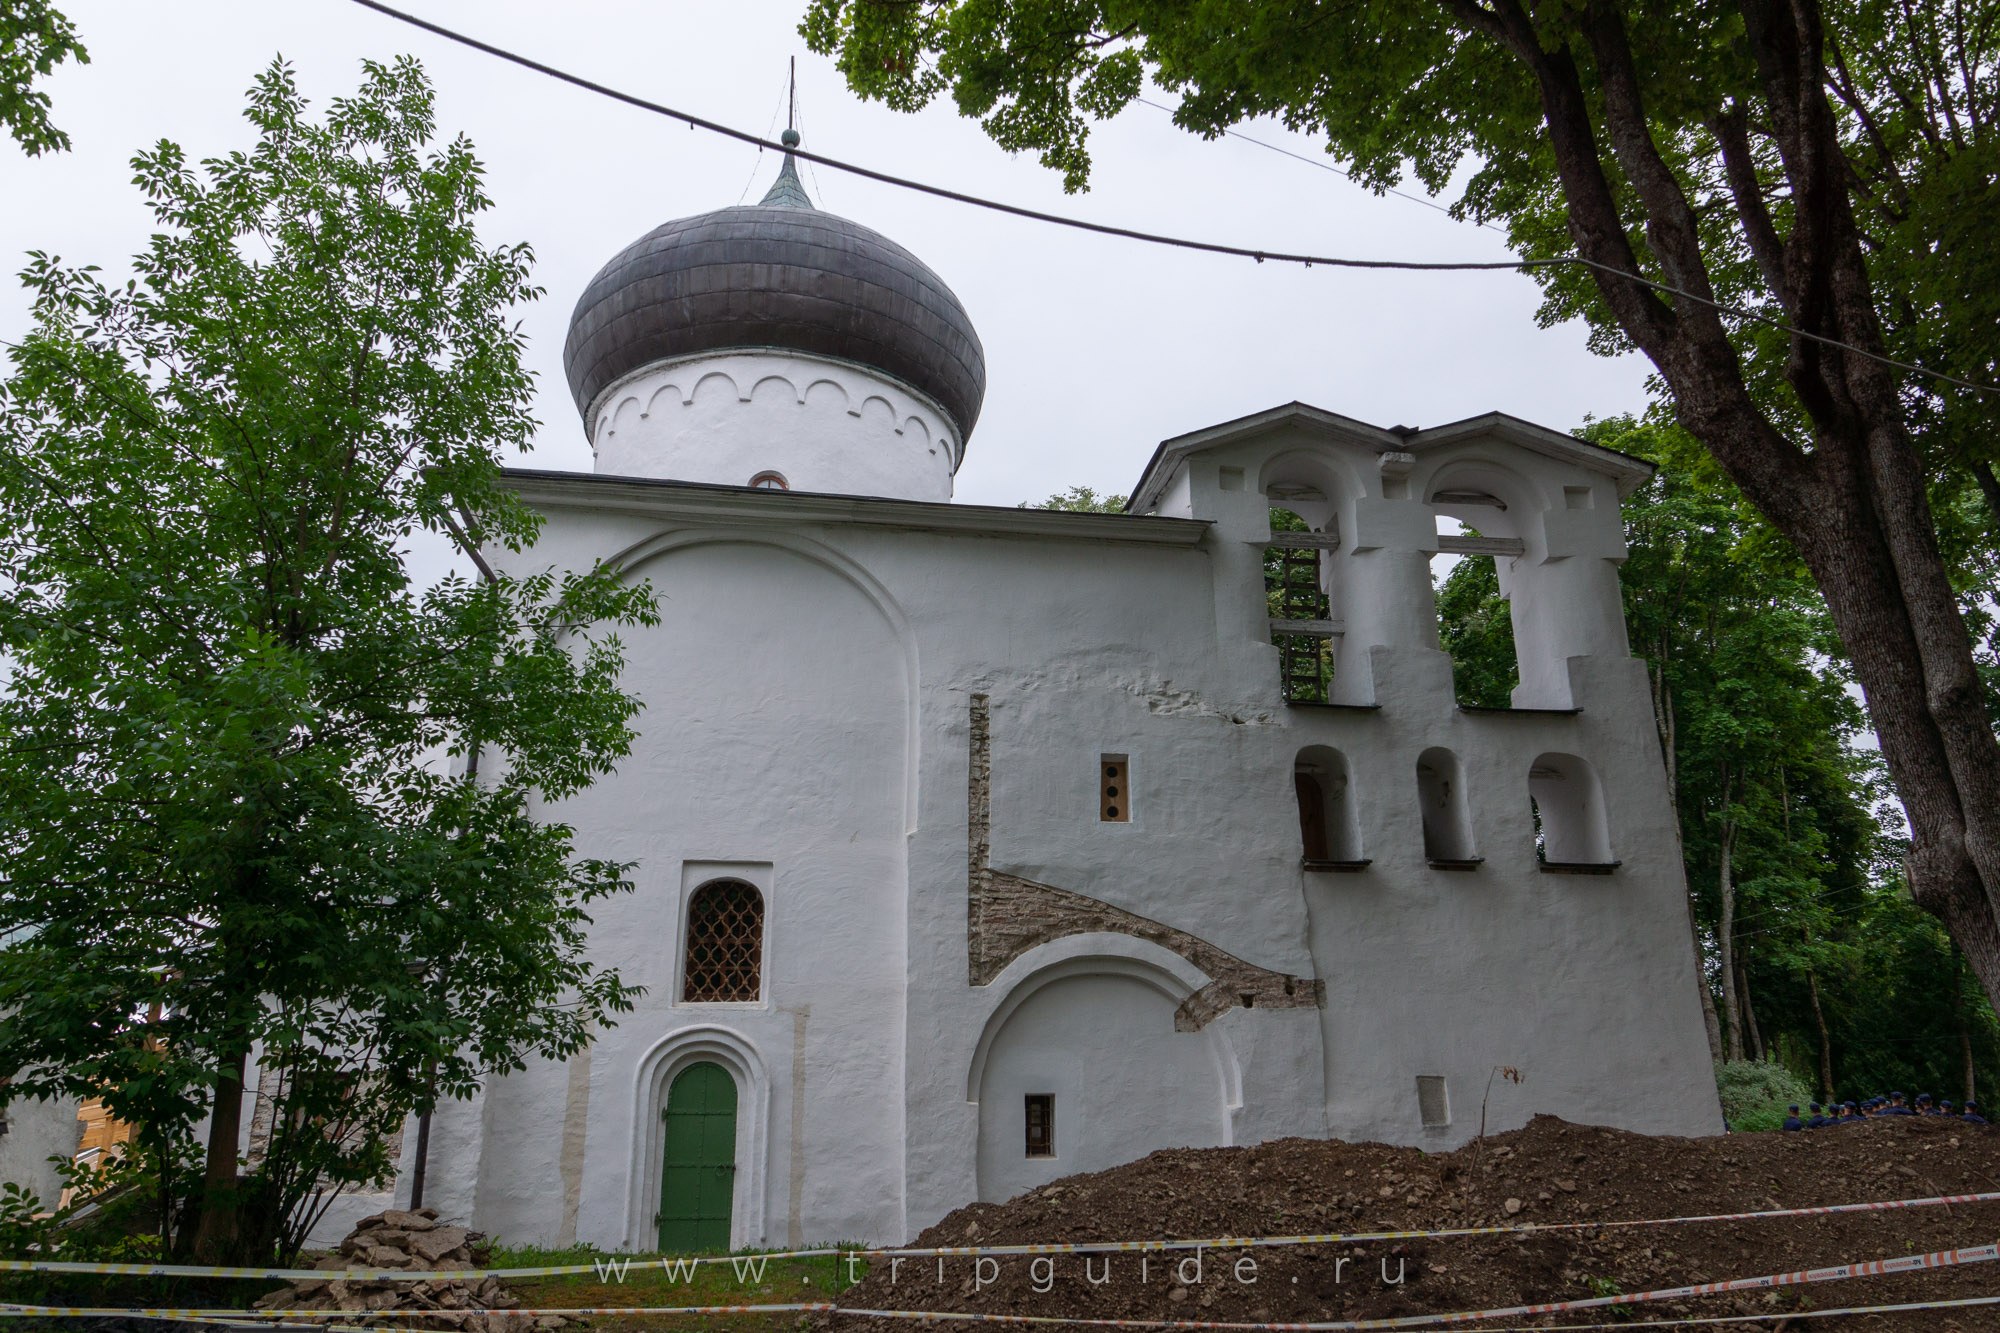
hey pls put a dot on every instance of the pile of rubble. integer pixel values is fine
(414, 1242)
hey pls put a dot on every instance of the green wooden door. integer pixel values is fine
(699, 1178)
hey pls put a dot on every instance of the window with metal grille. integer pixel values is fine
(1041, 1110)
(725, 943)
(1432, 1101)
(1114, 788)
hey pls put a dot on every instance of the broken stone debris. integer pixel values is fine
(413, 1241)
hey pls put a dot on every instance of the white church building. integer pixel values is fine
(978, 846)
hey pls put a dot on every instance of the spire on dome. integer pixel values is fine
(787, 191)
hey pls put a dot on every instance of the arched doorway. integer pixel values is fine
(698, 1178)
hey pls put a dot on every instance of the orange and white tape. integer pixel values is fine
(1870, 1268)
(682, 1268)
(110, 1312)
(678, 1268)
(1873, 1268)
(1348, 1237)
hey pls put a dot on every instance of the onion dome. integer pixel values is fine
(777, 275)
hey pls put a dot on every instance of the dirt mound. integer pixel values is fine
(1549, 1172)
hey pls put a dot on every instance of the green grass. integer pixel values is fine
(647, 1282)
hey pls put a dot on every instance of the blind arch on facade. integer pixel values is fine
(725, 944)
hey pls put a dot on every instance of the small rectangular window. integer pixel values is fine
(1114, 789)
(1432, 1101)
(1041, 1110)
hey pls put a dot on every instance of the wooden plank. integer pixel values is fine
(1459, 544)
(1309, 541)
(1318, 629)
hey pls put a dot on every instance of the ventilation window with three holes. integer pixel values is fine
(725, 944)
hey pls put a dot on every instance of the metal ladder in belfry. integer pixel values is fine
(1299, 598)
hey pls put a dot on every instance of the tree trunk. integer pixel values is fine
(1725, 930)
(1958, 1009)
(1708, 1015)
(1753, 1035)
(1855, 506)
(1965, 1053)
(215, 1230)
(1825, 1041)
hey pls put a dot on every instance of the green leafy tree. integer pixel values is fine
(1083, 500)
(1757, 1095)
(1476, 628)
(1807, 164)
(259, 794)
(34, 39)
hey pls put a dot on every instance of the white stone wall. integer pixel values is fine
(37, 1131)
(822, 425)
(807, 728)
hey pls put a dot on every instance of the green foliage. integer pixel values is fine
(34, 39)
(1756, 1093)
(225, 816)
(109, 1218)
(1476, 627)
(1292, 591)
(1081, 499)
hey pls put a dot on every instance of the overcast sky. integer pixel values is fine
(1096, 348)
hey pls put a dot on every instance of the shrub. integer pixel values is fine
(1756, 1093)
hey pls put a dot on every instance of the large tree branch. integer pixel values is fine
(1672, 232)
(1732, 134)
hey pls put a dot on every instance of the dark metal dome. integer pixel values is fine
(779, 274)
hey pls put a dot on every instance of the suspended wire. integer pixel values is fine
(758, 164)
(1324, 165)
(1131, 233)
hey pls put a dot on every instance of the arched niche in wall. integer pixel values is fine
(1329, 827)
(1081, 1069)
(1447, 815)
(1567, 800)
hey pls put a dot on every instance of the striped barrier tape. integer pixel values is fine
(1346, 1237)
(1764, 1317)
(1874, 1268)
(679, 1269)
(260, 1316)
(682, 1268)
(1837, 1272)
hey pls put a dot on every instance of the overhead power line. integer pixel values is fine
(1132, 234)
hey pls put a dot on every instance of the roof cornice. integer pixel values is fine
(1627, 471)
(705, 502)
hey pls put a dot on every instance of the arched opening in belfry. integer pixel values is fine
(1477, 540)
(1567, 802)
(1447, 815)
(1329, 827)
(1295, 593)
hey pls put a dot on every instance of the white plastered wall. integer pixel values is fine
(822, 425)
(36, 1131)
(808, 700)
